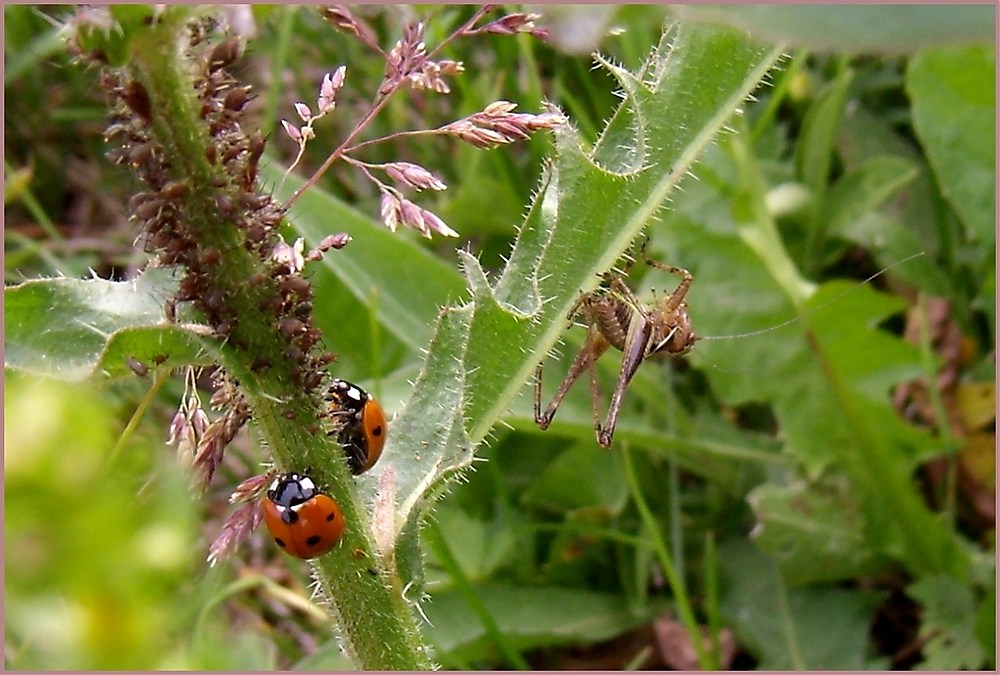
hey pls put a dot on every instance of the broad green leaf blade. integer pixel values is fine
(169, 346)
(909, 222)
(421, 448)
(853, 209)
(814, 150)
(789, 628)
(484, 546)
(587, 215)
(954, 113)
(528, 618)
(584, 476)
(583, 220)
(882, 29)
(72, 329)
(815, 531)
(864, 189)
(948, 622)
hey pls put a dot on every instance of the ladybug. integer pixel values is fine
(303, 521)
(361, 424)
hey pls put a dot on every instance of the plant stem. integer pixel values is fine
(375, 622)
(673, 578)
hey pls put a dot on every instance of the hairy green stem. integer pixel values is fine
(377, 626)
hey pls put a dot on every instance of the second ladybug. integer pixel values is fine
(361, 427)
(303, 521)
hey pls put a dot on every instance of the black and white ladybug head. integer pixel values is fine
(291, 489)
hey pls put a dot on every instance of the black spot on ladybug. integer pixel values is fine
(377, 431)
(279, 542)
(331, 517)
(314, 540)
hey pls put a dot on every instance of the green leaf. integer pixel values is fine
(479, 547)
(865, 189)
(421, 449)
(907, 224)
(583, 476)
(814, 150)
(789, 628)
(73, 329)
(954, 113)
(948, 621)
(815, 531)
(584, 218)
(884, 29)
(528, 618)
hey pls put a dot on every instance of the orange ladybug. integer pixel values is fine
(303, 521)
(361, 424)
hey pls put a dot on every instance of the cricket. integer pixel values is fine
(615, 317)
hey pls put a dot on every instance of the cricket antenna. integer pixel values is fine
(814, 309)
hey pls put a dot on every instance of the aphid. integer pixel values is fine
(289, 328)
(299, 286)
(137, 98)
(224, 54)
(149, 209)
(361, 424)
(210, 256)
(137, 366)
(140, 154)
(235, 99)
(616, 318)
(175, 189)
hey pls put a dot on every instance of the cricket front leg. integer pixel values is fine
(677, 297)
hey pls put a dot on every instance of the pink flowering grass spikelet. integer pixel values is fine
(411, 64)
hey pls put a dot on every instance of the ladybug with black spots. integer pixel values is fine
(303, 521)
(361, 426)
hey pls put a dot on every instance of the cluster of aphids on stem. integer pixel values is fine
(197, 228)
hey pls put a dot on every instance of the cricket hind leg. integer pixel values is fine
(636, 344)
(593, 348)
